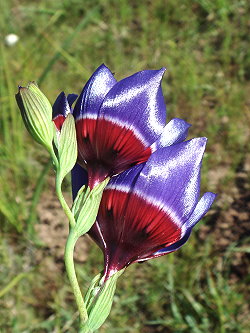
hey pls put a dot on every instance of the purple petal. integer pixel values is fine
(126, 180)
(93, 93)
(61, 106)
(71, 98)
(137, 103)
(174, 132)
(79, 177)
(201, 209)
(171, 178)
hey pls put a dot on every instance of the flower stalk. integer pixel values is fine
(70, 268)
(63, 202)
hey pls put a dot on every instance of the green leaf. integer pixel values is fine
(80, 199)
(86, 207)
(101, 306)
(36, 112)
(91, 290)
(67, 146)
(56, 137)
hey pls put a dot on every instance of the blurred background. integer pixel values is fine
(204, 287)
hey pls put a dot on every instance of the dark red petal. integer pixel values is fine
(58, 121)
(132, 229)
(107, 148)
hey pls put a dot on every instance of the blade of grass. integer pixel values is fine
(64, 53)
(36, 197)
(218, 301)
(66, 44)
(52, 21)
(13, 283)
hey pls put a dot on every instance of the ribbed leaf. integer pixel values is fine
(67, 146)
(56, 137)
(91, 290)
(101, 306)
(80, 199)
(32, 86)
(88, 205)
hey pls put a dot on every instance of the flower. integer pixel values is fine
(119, 124)
(11, 39)
(149, 210)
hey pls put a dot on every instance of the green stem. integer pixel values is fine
(70, 267)
(60, 196)
(70, 245)
(63, 202)
(53, 156)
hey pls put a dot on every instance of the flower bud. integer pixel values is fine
(36, 112)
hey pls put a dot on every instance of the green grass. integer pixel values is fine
(204, 46)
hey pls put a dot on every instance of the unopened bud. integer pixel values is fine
(36, 112)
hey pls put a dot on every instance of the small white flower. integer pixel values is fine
(11, 39)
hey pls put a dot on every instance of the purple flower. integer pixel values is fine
(149, 210)
(119, 124)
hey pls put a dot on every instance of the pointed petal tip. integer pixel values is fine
(210, 196)
(62, 94)
(155, 77)
(103, 68)
(71, 99)
(203, 142)
(60, 97)
(196, 149)
(175, 131)
(201, 209)
(60, 106)
(179, 120)
(204, 139)
(94, 91)
(149, 74)
(200, 141)
(198, 144)
(160, 72)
